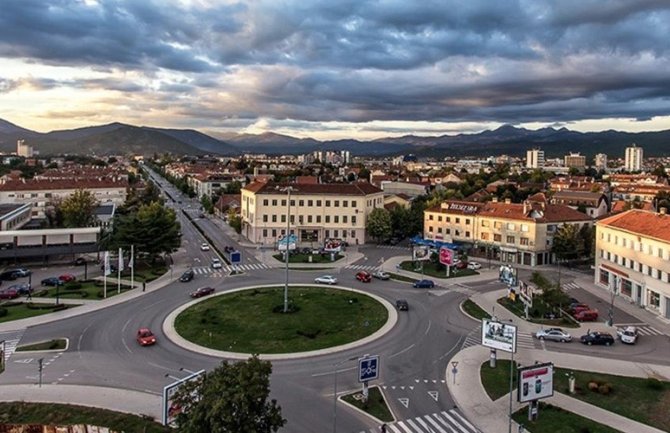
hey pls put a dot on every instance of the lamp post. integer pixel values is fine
(288, 190)
(615, 282)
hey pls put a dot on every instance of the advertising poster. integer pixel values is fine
(446, 256)
(420, 252)
(497, 335)
(170, 408)
(535, 382)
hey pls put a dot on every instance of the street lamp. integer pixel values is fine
(615, 283)
(288, 190)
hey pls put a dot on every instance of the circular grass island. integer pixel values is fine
(252, 320)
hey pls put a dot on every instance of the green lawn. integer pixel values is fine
(399, 277)
(475, 310)
(517, 308)
(496, 380)
(62, 415)
(435, 270)
(375, 406)
(91, 289)
(20, 310)
(552, 419)
(58, 344)
(643, 400)
(251, 321)
(304, 258)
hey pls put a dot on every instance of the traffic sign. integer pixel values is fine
(235, 257)
(368, 368)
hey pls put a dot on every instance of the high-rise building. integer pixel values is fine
(600, 162)
(535, 158)
(633, 158)
(575, 160)
(23, 149)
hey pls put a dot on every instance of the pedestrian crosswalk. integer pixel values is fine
(363, 267)
(642, 328)
(523, 339)
(570, 286)
(207, 270)
(451, 421)
(11, 339)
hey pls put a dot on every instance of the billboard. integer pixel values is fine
(446, 256)
(290, 240)
(420, 252)
(497, 335)
(170, 408)
(526, 293)
(535, 382)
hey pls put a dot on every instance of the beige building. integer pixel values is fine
(633, 158)
(534, 158)
(575, 160)
(633, 258)
(317, 211)
(516, 233)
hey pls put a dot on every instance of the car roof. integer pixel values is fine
(144, 330)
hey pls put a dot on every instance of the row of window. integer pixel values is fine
(310, 203)
(326, 233)
(635, 266)
(636, 246)
(485, 223)
(316, 219)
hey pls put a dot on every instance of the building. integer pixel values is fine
(514, 233)
(412, 189)
(633, 258)
(317, 211)
(575, 160)
(593, 204)
(24, 149)
(633, 158)
(600, 162)
(535, 159)
(14, 216)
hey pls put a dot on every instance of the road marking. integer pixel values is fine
(402, 351)
(24, 361)
(434, 394)
(404, 401)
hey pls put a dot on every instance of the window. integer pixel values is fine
(467, 234)
(283, 218)
(510, 239)
(318, 219)
(345, 203)
(335, 233)
(337, 204)
(467, 221)
(353, 219)
(265, 233)
(485, 236)
(274, 233)
(274, 202)
(439, 229)
(327, 219)
(292, 202)
(511, 226)
(458, 233)
(327, 233)
(448, 219)
(318, 203)
(310, 203)
(497, 225)
(353, 233)
(344, 217)
(265, 202)
(327, 203)
(309, 219)
(439, 218)
(659, 253)
(354, 203)
(265, 218)
(485, 223)
(458, 220)
(336, 219)
(430, 229)
(292, 219)
(301, 203)
(274, 218)
(283, 202)
(448, 231)
(497, 238)
(430, 217)
(523, 241)
(604, 277)
(300, 219)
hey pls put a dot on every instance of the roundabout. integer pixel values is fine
(249, 320)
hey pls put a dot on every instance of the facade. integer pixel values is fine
(24, 149)
(593, 203)
(14, 216)
(633, 258)
(535, 159)
(521, 233)
(575, 160)
(633, 158)
(317, 211)
(17, 244)
(600, 162)
(408, 188)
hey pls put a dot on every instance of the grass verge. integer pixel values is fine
(516, 308)
(399, 277)
(375, 406)
(90, 289)
(552, 419)
(21, 310)
(304, 258)
(496, 380)
(62, 415)
(57, 344)
(252, 321)
(475, 310)
(436, 270)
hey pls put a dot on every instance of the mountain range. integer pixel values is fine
(116, 138)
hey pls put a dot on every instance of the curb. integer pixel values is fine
(67, 346)
(362, 412)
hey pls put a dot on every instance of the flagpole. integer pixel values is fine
(105, 267)
(132, 266)
(118, 271)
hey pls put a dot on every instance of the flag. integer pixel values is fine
(120, 260)
(108, 269)
(132, 253)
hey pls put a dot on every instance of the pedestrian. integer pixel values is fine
(383, 428)
(144, 286)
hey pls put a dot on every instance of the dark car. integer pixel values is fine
(202, 291)
(424, 284)
(363, 277)
(21, 289)
(9, 275)
(79, 261)
(52, 281)
(597, 338)
(402, 305)
(187, 276)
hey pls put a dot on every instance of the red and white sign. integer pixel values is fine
(446, 256)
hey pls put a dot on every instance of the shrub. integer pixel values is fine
(593, 386)
(605, 389)
(3, 312)
(83, 294)
(655, 384)
(310, 333)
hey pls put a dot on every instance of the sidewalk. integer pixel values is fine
(492, 416)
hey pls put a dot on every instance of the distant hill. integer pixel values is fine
(199, 140)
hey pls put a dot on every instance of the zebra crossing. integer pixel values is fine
(206, 270)
(524, 340)
(570, 286)
(642, 328)
(363, 267)
(11, 339)
(451, 421)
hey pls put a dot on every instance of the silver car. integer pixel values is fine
(553, 334)
(326, 279)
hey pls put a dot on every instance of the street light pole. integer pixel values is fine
(288, 190)
(615, 282)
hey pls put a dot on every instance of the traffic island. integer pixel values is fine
(309, 258)
(14, 310)
(51, 345)
(252, 320)
(435, 270)
(375, 406)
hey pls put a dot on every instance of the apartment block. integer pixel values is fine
(633, 158)
(535, 158)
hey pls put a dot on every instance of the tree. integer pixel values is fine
(235, 221)
(153, 229)
(379, 224)
(662, 199)
(400, 221)
(587, 235)
(567, 243)
(78, 209)
(233, 187)
(206, 202)
(231, 398)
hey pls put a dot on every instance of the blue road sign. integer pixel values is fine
(368, 368)
(235, 257)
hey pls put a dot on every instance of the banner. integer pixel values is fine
(497, 335)
(120, 268)
(446, 256)
(535, 382)
(108, 268)
(132, 258)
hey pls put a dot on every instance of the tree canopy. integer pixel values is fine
(232, 398)
(78, 210)
(379, 224)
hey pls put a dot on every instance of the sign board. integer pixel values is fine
(525, 293)
(170, 408)
(235, 257)
(291, 240)
(368, 368)
(497, 335)
(446, 256)
(535, 382)
(420, 252)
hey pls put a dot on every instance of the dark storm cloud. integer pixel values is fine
(358, 61)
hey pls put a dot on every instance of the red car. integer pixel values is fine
(461, 265)
(586, 315)
(145, 337)
(66, 278)
(202, 291)
(364, 277)
(9, 294)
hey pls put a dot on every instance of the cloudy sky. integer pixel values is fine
(336, 68)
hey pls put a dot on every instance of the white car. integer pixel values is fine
(474, 266)
(204, 246)
(216, 263)
(325, 279)
(628, 334)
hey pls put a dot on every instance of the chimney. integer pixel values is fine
(494, 200)
(508, 200)
(663, 210)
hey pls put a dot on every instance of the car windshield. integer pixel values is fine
(629, 333)
(145, 333)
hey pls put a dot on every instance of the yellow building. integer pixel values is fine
(317, 211)
(633, 258)
(517, 233)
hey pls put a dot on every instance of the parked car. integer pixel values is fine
(145, 337)
(381, 275)
(325, 279)
(202, 291)
(52, 281)
(586, 315)
(461, 265)
(363, 276)
(9, 294)
(66, 278)
(187, 276)
(627, 335)
(423, 284)
(79, 261)
(22, 272)
(402, 305)
(204, 246)
(22, 288)
(9, 275)
(553, 334)
(216, 263)
(577, 307)
(474, 266)
(598, 338)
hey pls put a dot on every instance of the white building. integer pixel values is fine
(600, 162)
(24, 149)
(535, 158)
(633, 158)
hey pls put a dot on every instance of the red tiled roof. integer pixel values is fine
(306, 180)
(359, 188)
(62, 184)
(530, 212)
(641, 222)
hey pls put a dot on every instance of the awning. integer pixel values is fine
(614, 270)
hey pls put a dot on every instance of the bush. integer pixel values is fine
(655, 384)
(3, 312)
(83, 294)
(310, 333)
(605, 389)
(73, 285)
(593, 386)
